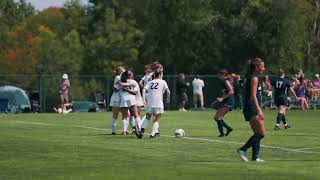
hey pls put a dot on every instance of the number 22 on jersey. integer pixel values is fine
(154, 85)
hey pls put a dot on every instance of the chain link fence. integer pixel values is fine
(85, 87)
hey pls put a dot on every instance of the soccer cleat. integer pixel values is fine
(113, 133)
(155, 135)
(137, 133)
(276, 127)
(151, 137)
(142, 130)
(259, 160)
(228, 131)
(243, 155)
(140, 136)
(221, 135)
(124, 133)
(287, 126)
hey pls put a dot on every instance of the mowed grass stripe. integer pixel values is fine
(190, 138)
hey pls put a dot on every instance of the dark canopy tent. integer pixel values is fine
(13, 100)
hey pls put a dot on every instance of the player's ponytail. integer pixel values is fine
(157, 73)
(223, 72)
(281, 72)
(124, 76)
(252, 65)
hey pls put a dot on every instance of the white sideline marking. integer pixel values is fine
(190, 138)
(266, 146)
(308, 148)
(63, 125)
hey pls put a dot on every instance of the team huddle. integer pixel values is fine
(127, 99)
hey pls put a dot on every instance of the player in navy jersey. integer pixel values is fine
(252, 111)
(281, 87)
(224, 102)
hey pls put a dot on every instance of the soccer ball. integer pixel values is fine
(179, 133)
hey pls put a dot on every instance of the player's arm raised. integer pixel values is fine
(294, 93)
(141, 83)
(167, 91)
(144, 91)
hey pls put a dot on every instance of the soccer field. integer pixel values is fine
(79, 146)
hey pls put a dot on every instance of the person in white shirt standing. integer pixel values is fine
(197, 85)
(128, 102)
(64, 90)
(153, 98)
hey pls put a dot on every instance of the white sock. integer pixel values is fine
(113, 125)
(132, 122)
(125, 124)
(145, 124)
(137, 122)
(155, 128)
(143, 118)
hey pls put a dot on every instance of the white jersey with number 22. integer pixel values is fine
(155, 90)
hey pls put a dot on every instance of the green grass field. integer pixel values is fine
(79, 146)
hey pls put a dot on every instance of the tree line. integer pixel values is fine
(190, 36)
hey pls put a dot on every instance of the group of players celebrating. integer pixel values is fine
(127, 99)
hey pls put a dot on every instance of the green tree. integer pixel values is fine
(112, 39)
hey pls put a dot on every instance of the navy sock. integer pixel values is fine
(220, 127)
(251, 141)
(284, 119)
(256, 149)
(225, 124)
(279, 118)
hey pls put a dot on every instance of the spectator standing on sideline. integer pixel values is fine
(266, 86)
(237, 87)
(267, 89)
(300, 75)
(182, 86)
(316, 86)
(300, 90)
(197, 85)
(64, 90)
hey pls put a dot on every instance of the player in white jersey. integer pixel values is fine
(154, 101)
(197, 85)
(149, 73)
(129, 102)
(140, 104)
(149, 70)
(115, 98)
(147, 77)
